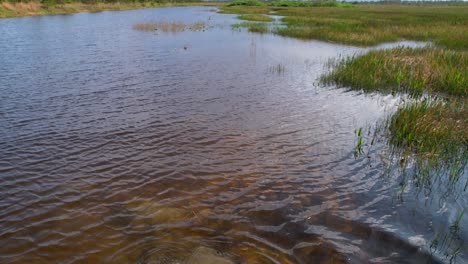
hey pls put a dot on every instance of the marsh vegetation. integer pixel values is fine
(229, 152)
(433, 130)
(257, 27)
(364, 25)
(170, 26)
(413, 71)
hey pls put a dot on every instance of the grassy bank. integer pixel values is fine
(21, 9)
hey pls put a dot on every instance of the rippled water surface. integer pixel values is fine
(122, 146)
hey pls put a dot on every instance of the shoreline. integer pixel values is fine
(30, 9)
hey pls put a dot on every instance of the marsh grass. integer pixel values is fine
(257, 27)
(434, 129)
(170, 26)
(432, 134)
(409, 70)
(256, 17)
(366, 25)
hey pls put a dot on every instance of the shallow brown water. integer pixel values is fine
(120, 146)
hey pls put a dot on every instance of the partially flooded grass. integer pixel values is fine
(365, 25)
(432, 134)
(413, 71)
(435, 133)
(429, 137)
(170, 26)
(257, 27)
(256, 17)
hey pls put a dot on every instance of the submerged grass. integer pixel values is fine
(170, 26)
(409, 70)
(257, 27)
(256, 17)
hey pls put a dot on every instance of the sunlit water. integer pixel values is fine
(122, 146)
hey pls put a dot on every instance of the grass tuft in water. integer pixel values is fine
(434, 133)
(450, 243)
(257, 27)
(277, 69)
(408, 70)
(359, 143)
(170, 26)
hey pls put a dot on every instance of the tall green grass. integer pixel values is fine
(409, 70)
(435, 133)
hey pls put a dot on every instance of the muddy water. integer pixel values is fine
(120, 146)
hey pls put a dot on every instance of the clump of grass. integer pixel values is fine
(413, 71)
(431, 128)
(170, 26)
(435, 133)
(256, 17)
(256, 27)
